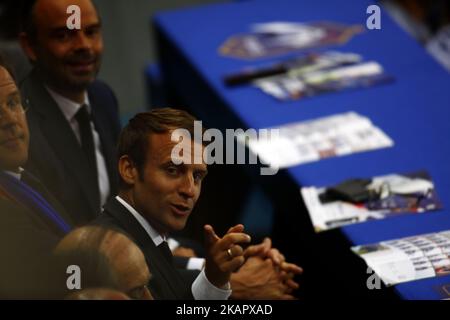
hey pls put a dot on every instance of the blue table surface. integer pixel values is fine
(414, 110)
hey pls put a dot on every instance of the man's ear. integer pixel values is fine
(27, 46)
(128, 170)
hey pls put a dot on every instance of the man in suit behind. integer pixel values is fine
(31, 220)
(159, 188)
(73, 118)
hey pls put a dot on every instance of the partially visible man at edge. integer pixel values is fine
(31, 220)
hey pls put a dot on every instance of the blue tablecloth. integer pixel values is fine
(414, 110)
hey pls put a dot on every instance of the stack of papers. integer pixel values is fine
(313, 140)
(281, 37)
(298, 84)
(398, 194)
(408, 259)
(311, 75)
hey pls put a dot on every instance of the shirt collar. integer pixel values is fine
(17, 175)
(156, 237)
(68, 107)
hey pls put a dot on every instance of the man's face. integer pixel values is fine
(14, 136)
(130, 267)
(167, 193)
(67, 59)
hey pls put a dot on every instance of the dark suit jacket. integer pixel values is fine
(167, 281)
(56, 157)
(27, 239)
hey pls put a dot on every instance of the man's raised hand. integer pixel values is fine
(224, 255)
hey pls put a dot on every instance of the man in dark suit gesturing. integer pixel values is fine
(157, 196)
(159, 187)
(31, 221)
(73, 118)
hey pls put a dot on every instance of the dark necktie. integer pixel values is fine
(165, 250)
(87, 138)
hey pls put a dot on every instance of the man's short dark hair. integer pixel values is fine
(133, 140)
(27, 21)
(7, 66)
(9, 19)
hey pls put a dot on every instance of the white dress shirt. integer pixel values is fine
(70, 108)
(194, 263)
(201, 288)
(17, 175)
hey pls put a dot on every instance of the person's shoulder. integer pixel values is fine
(103, 96)
(12, 214)
(35, 183)
(106, 219)
(20, 223)
(30, 80)
(101, 85)
(101, 89)
(34, 95)
(6, 203)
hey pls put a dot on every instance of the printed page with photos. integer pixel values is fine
(383, 197)
(408, 259)
(314, 140)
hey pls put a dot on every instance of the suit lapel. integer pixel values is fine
(60, 136)
(157, 262)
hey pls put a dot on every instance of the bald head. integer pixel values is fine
(112, 260)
